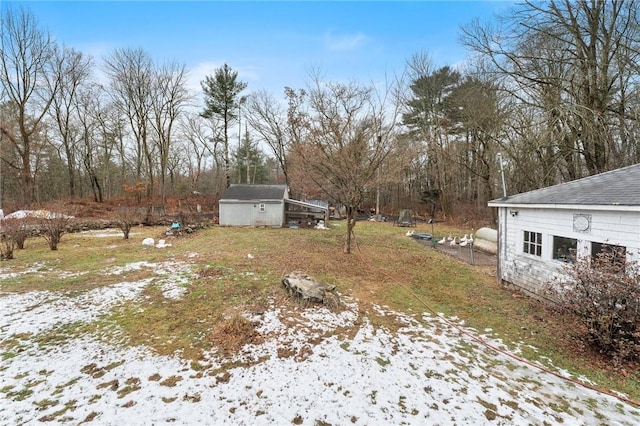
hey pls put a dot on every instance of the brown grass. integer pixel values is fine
(386, 268)
(230, 335)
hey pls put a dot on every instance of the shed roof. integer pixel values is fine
(255, 192)
(620, 187)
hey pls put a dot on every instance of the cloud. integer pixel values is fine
(344, 42)
(199, 72)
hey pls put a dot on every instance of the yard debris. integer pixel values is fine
(176, 230)
(308, 289)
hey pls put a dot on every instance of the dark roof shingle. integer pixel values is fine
(617, 187)
(254, 192)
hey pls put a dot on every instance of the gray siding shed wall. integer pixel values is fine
(247, 213)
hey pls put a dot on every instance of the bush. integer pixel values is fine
(7, 240)
(126, 218)
(13, 233)
(53, 227)
(604, 293)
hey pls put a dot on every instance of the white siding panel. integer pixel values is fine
(530, 272)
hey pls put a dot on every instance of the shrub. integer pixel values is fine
(126, 218)
(13, 233)
(604, 293)
(21, 234)
(7, 239)
(53, 226)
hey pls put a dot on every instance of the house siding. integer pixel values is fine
(247, 213)
(530, 272)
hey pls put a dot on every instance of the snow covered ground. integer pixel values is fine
(426, 373)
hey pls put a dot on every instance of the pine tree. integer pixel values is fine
(222, 100)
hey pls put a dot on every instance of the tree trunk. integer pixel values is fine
(351, 223)
(226, 157)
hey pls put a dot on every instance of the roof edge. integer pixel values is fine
(600, 207)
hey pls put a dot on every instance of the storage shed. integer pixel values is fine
(540, 231)
(265, 205)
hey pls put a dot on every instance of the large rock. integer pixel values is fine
(309, 289)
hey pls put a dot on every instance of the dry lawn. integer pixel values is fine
(240, 269)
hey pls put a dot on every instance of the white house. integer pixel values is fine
(539, 231)
(265, 205)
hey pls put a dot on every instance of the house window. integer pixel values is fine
(564, 249)
(262, 208)
(613, 255)
(533, 243)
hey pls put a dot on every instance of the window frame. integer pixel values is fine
(262, 207)
(532, 246)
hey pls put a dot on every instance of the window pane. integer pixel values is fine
(564, 249)
(532, 243)
(610, 254)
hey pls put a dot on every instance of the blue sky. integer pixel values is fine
(271, 44)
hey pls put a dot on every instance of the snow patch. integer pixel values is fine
(315, 365)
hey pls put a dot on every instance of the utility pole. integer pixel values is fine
(378, 184)
(240, 102)
(504, 185)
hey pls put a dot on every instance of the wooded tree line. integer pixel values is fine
(551, 86)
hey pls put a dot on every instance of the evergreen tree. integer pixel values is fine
(222, 101)
(250, 164)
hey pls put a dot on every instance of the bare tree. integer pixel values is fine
(475, 108)
(131, 76)
(26, 55)
(177, 163)
(111, 141)
(576, 62)
(169, 98)
(346, 142)
(73, 69)
(10, 163)
(269, 119)
(88, 109)
(195, 132)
